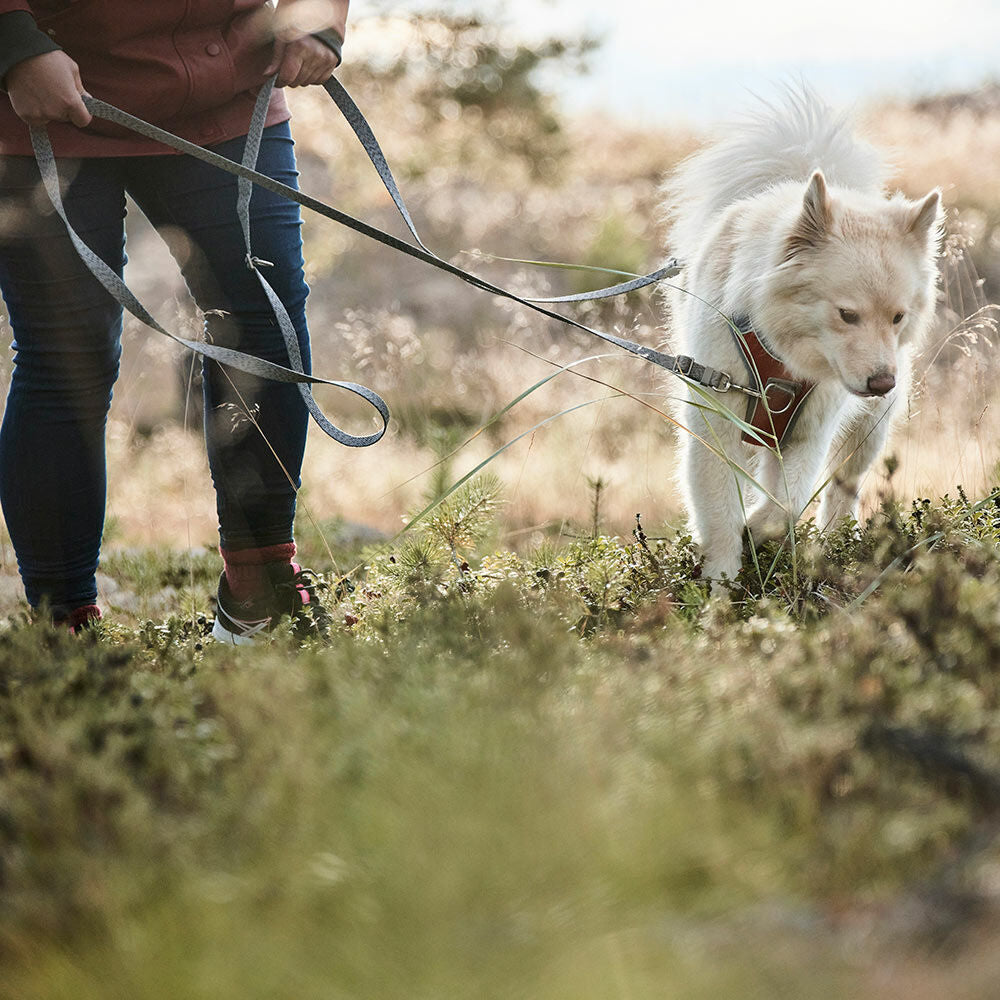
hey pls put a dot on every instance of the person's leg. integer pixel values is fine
(67, 334)
(255, 429)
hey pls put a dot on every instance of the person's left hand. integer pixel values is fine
(301, 62)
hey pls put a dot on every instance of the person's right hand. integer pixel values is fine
(47, 88)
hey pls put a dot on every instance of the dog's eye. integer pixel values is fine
(849, 316)
(897, 319)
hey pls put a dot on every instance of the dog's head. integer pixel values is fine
(855, 281)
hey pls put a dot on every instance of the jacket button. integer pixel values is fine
(213, 49)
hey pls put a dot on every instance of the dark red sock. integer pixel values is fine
(245, 571)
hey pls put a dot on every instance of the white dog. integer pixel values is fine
(786, 231)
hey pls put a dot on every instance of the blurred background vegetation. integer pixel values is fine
(490, 164)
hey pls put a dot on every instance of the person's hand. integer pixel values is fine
(47, 88)
(301, 62)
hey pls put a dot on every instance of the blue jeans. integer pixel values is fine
(67, 343)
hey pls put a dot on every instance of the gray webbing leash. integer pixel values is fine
(245, 172)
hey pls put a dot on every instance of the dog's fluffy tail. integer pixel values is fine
(785, 141)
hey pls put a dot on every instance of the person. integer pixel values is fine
(193, 68)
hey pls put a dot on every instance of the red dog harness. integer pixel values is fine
(784, 394)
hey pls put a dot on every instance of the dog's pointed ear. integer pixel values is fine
(816, 204)
(925, 217)
(813, 224)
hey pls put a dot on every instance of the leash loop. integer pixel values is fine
(239, 360)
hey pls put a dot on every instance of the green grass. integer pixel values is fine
(561, 774)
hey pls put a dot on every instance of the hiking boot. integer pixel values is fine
(292, 594)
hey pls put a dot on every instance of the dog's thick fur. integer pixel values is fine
(785, 221)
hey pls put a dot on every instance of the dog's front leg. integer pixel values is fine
(853, 457)
(789, 478)
(788, 482)
(713, 496)
(774, 515)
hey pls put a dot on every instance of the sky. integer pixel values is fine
(699, 60)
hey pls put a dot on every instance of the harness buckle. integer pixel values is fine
(723, 382)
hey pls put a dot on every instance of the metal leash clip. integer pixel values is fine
(711, 378)
(723, 382)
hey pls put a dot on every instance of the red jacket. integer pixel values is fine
(190, 66)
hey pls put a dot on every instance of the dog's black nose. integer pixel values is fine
(879, 385)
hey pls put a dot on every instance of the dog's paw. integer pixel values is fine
(768, 529)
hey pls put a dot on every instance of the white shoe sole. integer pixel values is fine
(221, 634)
